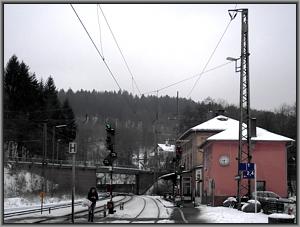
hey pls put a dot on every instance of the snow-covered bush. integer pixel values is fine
(230, 202)
(253, 201)
(249, 207)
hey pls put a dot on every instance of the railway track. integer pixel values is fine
(148, 210)
(38, 210)
(158, 209)
(32, 214)
(146, 202)
(81, 214)
(139, 214)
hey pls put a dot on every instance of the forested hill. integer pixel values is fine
(35, 106)
(137, 118)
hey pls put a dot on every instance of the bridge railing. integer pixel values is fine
(60, 162)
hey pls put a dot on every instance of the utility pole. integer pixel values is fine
(244, 151)
(44, 156)
(42, 193)
(57, 150)
(177, 114)
(156, 148)
(108, 161)
(53, 144)
(73, 151)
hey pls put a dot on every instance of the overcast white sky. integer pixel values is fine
(162, 43)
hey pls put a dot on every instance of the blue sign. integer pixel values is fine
(246, 166)
(248, 174)
(248, 170)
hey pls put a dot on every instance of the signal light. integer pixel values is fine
(110, 137)
(178, 152)
(113, 154)
(109, 129)
(107, 162)
(110, 140)
(181, 168)
(110, 207)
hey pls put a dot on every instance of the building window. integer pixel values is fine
(261, 185)
(186, 182)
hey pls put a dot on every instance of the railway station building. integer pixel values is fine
(209, 152)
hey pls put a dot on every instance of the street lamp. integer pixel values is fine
(53, 139)
(237, 69)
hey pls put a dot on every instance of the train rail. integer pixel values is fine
(38, 210)
(82, 213)
(148, 210)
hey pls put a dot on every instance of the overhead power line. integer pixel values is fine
(210, 57)
(129, 104)
(100, 32)
(188, 78)
(112, 75)
(121, 52)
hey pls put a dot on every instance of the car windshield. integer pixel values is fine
(272, 195)
(257, 193)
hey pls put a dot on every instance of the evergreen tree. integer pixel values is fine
(27, 104)
(69, 118)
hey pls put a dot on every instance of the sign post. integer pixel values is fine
(249, 172)
(42, 194)
(73, 150)
(255, 188)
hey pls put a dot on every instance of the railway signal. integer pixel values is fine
(110, 207)
(109, 159)
(178, 152)
(110, 137)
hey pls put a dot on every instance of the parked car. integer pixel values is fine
(272, 203)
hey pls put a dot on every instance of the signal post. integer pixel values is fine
(108, 161)
(73, 151)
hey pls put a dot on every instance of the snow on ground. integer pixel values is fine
(19, 182)
(135, 206)
(19, 203)
(168, 207)
(131, 209)
(230, 215)
(63, 211)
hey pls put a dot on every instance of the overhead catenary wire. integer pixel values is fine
(100, 37)
(111, 73)
(188, 78)
(119, 48)
(108, 68)
(210, 57)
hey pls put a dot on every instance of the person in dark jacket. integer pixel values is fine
(93, 197)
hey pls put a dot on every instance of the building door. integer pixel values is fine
(198, 187)
(186, 183)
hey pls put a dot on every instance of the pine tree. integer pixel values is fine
(69, 118)
(27, 104)
(20, 91)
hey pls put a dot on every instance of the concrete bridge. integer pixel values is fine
(60, 173)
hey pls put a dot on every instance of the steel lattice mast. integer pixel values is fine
(244, 151)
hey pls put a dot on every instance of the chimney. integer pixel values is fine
(210, 115)
(220, 112)
(253, 127)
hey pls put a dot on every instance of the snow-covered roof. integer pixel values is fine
(232, 133)
(228, 129)
(167, 147)
(218, 123)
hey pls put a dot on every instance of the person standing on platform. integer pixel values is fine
(93, 197)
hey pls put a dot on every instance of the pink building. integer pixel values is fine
(212, 167)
